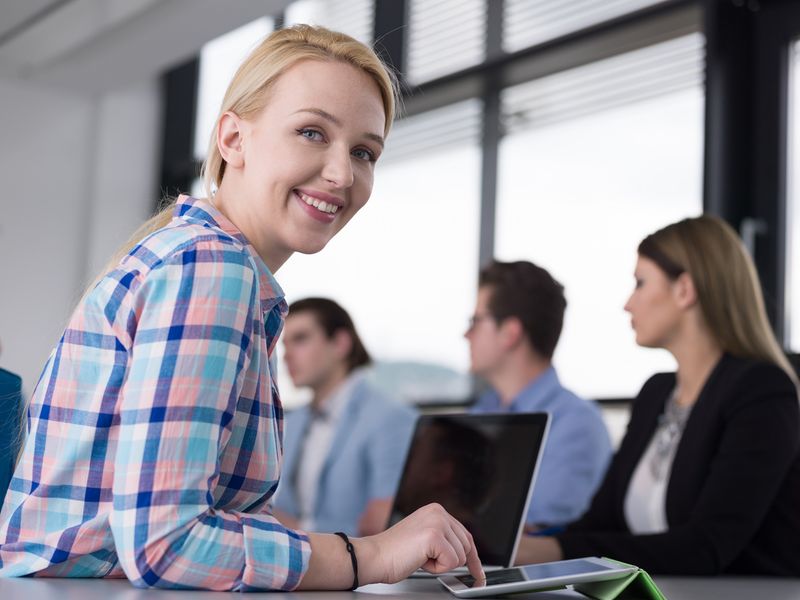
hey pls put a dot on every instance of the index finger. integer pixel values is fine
(474, 566)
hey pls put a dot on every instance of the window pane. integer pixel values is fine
(406, 266)
(353, 17)
(445, 36)
(219, 60)
(595, 159)
(793, 208)
(530, 22)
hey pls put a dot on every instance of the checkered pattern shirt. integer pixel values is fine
(155, 432)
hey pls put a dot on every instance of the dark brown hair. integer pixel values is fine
(332, 318)
(528, 292)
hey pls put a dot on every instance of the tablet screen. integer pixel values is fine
(536, 572)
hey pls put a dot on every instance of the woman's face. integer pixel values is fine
(305, 163)
(653, 305)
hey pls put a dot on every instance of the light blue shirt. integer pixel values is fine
(576, 453)
(364, 463)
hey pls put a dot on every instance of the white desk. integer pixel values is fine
(675, 588)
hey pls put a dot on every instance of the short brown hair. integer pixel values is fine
(528, 292)
(332, 318)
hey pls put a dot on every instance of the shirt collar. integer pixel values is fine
(206, 214)
(333, 407)
(536, 393)
(540, 388)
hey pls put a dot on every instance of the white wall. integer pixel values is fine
(79, 174)
(126, 162)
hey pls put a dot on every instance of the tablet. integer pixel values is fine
(536, 577)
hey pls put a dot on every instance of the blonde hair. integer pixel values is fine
(726, 281)
(248, 92)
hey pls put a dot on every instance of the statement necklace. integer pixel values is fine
(668, 433)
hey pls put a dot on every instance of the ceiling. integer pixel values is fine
(98, 45)
(17, 14)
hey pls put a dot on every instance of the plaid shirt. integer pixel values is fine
(155, 431)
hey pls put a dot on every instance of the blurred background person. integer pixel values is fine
(344, 452)
(10, 423)
(707, 479)
(512, 336)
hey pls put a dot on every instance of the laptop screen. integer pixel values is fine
(480, 468)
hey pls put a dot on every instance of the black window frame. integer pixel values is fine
(746, 111)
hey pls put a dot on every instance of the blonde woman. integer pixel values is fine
(155, 433)
(707, 479)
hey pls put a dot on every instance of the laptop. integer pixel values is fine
(481, 468)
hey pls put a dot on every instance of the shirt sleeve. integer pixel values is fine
(575, 458)
(191, 347)
(284, 497)
(390, 449)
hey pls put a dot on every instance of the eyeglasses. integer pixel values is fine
(475, 319)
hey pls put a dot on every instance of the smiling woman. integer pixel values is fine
(307, 159)
(156, 428)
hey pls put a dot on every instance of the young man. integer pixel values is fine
(345, 451)
(512, 336)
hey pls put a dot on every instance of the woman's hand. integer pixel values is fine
(429, 538)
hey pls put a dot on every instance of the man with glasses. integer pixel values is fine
(512, 335)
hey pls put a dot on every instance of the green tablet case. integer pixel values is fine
(636, 586)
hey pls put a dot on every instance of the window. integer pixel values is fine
(793, 208)
(591, 159)
(445, 36)
(353, 17)
(219, 60)
(530, 22)
(406, 267)
(594, 159)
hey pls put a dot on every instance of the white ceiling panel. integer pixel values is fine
(15, 14)
(99, 45)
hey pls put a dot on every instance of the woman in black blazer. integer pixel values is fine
(707, 478)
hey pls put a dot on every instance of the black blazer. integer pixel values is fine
(733, 498)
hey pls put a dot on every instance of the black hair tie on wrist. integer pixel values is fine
(352, 552)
